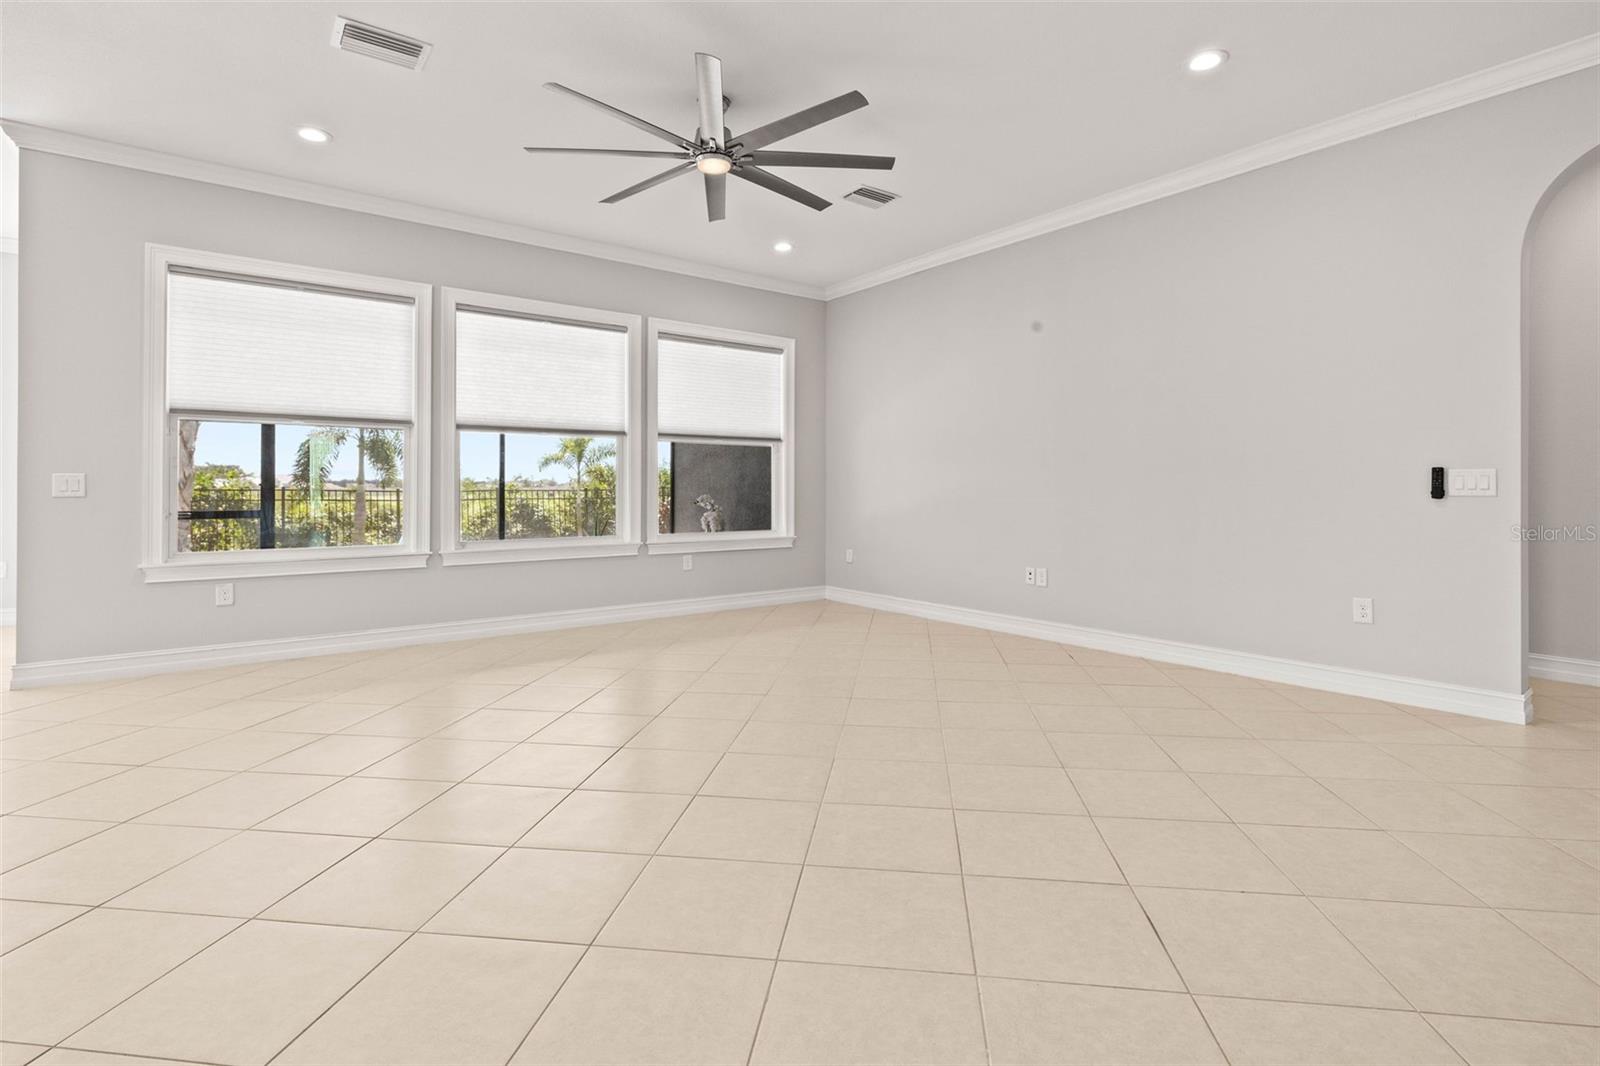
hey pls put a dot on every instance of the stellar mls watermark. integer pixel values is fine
(1550, 534)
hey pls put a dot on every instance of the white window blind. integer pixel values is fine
(514, 372)
(261, 348)
(704, 389)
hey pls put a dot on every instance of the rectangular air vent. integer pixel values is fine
(867, 196)
(391, 47)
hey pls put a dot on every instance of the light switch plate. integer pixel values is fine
(69, 486)
(1480, 482)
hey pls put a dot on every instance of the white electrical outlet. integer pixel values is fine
(223, 594)
(1361, 610)
(1041, 576)
(69, 486)
(1027, 575)
(688, 562)
(849, 555)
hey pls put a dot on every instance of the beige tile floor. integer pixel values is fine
(812, 834)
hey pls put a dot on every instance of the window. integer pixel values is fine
(542, 402)
(722, 439)
(286, 412)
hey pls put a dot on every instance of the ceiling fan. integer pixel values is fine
(716, 153)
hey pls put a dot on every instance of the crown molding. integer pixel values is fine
(1551, 63)
(1532, 69)
(59, 142)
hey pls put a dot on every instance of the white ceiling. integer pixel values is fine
(998, 112)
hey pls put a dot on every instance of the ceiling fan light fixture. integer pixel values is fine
(1206, 61)
(713, 163)
(783, 247)
(313, 135)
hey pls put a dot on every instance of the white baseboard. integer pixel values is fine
(1560, 668)
(137, 664)
(1413, 692)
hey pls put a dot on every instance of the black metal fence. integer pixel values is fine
(229, 519)
(537, 512)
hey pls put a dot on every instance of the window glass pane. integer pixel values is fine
(553, 486)
(713, 488)
(219, 471)
(322, 486)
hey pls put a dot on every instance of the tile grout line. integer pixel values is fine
(777, 953)
(1372, 743)
(1149, 922)
(601, 928)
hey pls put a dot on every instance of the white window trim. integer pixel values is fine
(455, 551)
(781, 535)
(160, 561)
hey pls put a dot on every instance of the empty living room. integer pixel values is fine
(881, 534)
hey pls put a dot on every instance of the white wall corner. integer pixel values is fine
(1515, 707)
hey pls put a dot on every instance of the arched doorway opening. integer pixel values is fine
(1560, 528)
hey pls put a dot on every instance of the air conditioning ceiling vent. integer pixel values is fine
(867, 196)
(367, 40)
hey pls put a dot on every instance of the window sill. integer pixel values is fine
(483, 552)
(686, 543)
(338, 561)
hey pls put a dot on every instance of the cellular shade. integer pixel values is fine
(529, 373)
(705, 389)
(247, 347)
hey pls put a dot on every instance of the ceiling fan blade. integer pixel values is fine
(708, 72)
(757, 176)
(762, 136)
(822, 159)
(612, 151)
(716, 197)
(666, 175)
(632, 120)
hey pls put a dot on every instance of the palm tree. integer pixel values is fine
(580, 455)
(384, 448)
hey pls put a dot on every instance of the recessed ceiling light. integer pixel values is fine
(314, 135)
(783, 247)
(1210, 59)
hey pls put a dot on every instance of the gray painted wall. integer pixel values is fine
(1564, 415)
(84, 227)
(1213, 416)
